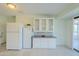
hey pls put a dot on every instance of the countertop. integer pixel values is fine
(43, 36)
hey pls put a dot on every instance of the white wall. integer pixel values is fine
(11, 18)
(3, 21)
(63, 29)
(59, 27)
(60, 31)
(2, 28)
(69, 36)
(24, 19)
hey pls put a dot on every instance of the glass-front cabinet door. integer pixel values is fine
(50, 25)
(43, 25)
(36, 25)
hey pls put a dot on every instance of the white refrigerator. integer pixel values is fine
(14, 36)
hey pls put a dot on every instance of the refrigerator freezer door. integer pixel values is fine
(14, 27)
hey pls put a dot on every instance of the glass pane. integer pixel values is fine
(75, 28)
(50, 24)
(44, 24)
(76, 21)
(37, 24)
(75, 36)
(78, 28)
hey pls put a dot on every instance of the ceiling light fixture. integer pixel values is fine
(12, 6)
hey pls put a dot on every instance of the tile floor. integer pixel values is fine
(59, 51)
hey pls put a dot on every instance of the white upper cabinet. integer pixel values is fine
(50, 25)
(43, 25)
(36, 25)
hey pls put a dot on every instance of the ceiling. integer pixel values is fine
(48, 9)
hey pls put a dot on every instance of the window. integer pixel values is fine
(75, 29)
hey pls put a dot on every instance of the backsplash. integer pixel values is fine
(43, 33)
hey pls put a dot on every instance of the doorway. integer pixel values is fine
(76, 34)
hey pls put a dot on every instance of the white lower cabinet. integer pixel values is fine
(44, 43)
(52, 43)
(36, 43)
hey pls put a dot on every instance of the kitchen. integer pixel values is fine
(37, 27)
(38, 35)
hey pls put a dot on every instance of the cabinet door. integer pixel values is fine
(36, 25)
(50, 25)
(51, 43)
(43, 25)
(36, 43)
(43, 43)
